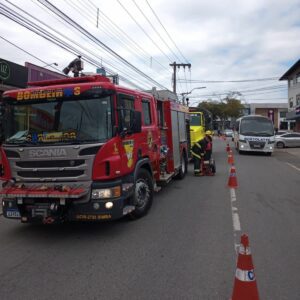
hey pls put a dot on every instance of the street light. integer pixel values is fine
(184, 94)
(55, 64)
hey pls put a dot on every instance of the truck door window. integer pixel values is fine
(160, 115)
(146, 112)
(125, 105)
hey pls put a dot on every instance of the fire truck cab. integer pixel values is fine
(86, 149)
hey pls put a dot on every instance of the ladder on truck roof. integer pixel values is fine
(71, 80)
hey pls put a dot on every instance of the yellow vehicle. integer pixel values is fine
(197, 126)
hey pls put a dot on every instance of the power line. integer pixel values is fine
(242, 94)
(32, 55)
(107, 30)
(241, 80)
(152, 26)
(143, 31)
(261, 89)
(9, 13)
(55, 40)
(157, 18)
(122, 32)
(80, 45)
(67, 19)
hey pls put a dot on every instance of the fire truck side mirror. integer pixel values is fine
(135, 121)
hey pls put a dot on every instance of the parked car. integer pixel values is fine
(280, 132)
(228, 132)
(290, 139)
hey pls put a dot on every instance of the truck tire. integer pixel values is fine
(183, 167)
(280, 145)
(143, 194)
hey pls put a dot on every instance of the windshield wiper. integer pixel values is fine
(18, 143)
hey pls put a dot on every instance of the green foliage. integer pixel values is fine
(228, 107)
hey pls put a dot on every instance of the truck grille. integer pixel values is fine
(50, 163)
(257, 145)
(75, 163)
(50, 174)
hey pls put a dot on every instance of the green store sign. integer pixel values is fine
(4, 70)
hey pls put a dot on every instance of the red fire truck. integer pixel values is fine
(86, 149)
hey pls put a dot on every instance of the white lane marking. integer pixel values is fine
(293, 166)
(236, 222)
(235, 218)
(232, 195)
(234, 209)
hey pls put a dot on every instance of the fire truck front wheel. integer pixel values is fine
(143, 194)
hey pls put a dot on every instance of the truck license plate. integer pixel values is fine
(13, 213)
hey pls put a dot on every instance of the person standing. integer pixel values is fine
(201, 150)
(198, 151)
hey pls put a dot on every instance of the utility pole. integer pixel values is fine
(175, 65)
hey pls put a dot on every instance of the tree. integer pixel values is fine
(234, 106)
(229, 107)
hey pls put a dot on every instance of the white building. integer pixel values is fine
(292, 75)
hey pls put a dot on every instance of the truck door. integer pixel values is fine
(128, 143)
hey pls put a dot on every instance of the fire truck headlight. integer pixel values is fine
(109, 205)
(113, 192)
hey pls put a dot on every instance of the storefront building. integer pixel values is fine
(12, 76)
(292, 76)
(276, 112)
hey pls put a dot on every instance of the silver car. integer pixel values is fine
(228, 132)
(291, 139)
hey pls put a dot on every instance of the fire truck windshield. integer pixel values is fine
(195, 119)
(71, 121)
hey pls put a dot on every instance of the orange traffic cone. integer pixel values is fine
(232, 181)
(245, 286)
(230, 157)
(227, 147)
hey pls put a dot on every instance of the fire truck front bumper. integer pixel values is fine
(106, 201)
(99, 210)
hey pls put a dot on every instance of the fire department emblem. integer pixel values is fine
(128, 146)
(116, 150)
(150, 139)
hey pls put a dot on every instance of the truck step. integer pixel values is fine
(128, 209)
(166, 178)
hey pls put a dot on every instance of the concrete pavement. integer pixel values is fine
(293, 151)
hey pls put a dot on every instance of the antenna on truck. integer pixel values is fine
(75, 66)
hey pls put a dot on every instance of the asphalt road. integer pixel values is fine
(183, 249)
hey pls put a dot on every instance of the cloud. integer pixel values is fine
(223, 40)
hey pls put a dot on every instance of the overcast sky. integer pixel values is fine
(223, 41)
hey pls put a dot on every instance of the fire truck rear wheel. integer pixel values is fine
(143, 194)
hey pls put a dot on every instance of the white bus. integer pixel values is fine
(254, 133)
